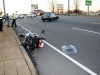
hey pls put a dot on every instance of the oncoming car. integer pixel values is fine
(20, 16)
(49, 16)
(31, 15)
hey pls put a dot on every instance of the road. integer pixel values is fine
(82, 32)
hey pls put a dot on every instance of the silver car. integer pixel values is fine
(20, 16)
(30, 15)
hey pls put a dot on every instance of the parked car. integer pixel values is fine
(49, 16)
(92, 13)
(98, 13)
(31, 15)
(39, 14)
(20, 16)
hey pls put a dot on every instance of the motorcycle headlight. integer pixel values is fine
(29, 35)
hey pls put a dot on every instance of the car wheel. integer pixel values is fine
(50, 20)
(43, 20)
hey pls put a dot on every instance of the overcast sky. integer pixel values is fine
(25, 5)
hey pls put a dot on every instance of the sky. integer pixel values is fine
(24, 6)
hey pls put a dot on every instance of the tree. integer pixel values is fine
(76, 5)
(69, 11)
(52, 5)
(78, 11)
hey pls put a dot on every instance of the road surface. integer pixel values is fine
(82, 32)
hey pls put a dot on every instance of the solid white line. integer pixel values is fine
(22, 27)
(86, 30)
(71, 59)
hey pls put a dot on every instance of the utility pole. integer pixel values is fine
(88, 3)
(68, 7)
(88, 10)
(4, 7)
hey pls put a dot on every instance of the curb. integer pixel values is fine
(27, 58)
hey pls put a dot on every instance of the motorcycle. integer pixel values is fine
(31, 40)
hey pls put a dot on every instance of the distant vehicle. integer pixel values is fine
(98, 13)
(39, 14)
(31, 15)
(49, 16)
(20, 16)
(92, 13)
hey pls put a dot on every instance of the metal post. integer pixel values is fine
(68, 8)
(88, 10)
(4, 7)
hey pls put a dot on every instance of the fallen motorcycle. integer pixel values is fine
(31, 40)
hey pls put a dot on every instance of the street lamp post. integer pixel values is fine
(4, 7)
(68, 8)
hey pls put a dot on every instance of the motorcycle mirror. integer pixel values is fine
(43, 31)
(43, 34)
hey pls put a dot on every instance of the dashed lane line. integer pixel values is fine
(85, 22)
(85, 30)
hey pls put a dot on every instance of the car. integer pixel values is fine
(92, 13)
(31, 15)
(98, 13)
(20, 16)
(49, 16)
(39, 14)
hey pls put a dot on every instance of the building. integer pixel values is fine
(38, 11)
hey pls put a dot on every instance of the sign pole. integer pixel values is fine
(88, 3)
(88, 10)
(68, 9)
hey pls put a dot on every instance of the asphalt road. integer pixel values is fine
(82, 32)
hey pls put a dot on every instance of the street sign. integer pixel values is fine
(88, 2)
(34, 6)
(60, 6)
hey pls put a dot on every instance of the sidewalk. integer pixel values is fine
(13, 58)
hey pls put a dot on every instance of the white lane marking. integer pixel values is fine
(71, 59)
(85, 22)
(22, 27)
(68, 57)
(86, 30)
(95, 23)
